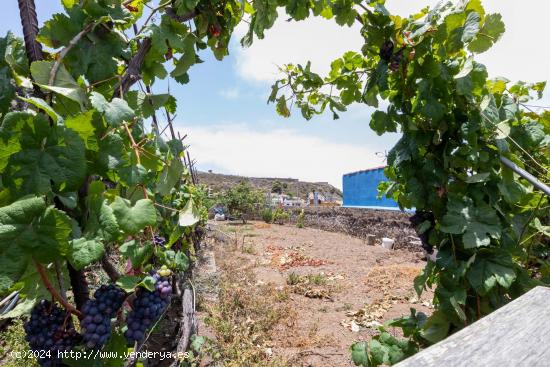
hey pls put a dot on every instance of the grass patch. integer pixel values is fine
(12, 340)
(314, 279)
(243, 320)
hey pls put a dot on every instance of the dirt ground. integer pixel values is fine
(305, 295)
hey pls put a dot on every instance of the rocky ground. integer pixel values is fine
(277, 295)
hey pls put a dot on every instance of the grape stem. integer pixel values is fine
(42, 272)
(60, 282)
(135, 147)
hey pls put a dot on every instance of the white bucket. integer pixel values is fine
(387, 243)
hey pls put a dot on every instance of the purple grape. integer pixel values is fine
(148, 307)
(50, 329)
(96, 324)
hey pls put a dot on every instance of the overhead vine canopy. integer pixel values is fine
(82, 175)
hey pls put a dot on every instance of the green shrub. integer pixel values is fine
(280, 216)
(267, 215)
(301, 219)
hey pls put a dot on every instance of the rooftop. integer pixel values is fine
(365, 170)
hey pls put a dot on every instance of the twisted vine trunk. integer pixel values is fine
(79, 285)
(29, 21)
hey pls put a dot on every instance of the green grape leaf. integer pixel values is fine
(63, 83)
(13, 262)
(381, 123)
(111, 152)
(59, 30)
(488, 271)
(137, 253)
(478, 177)
(189, 215)
(148, 283)
(32, 289)
(133, 219)
(436, 327)
(128, 282)
(170, 176)
(42, 105)
(116, 346)
(115, 112)
(83, 252)
(188, 59)
(477, 223)
(9, 139)
(83, 125)
(360, 354)
(490, 32)
(181, 261)
(133, 175)
(102, 223)
(282, 108)
(68, 199)
(48, 155)
(471, 26)
(7, 90)
(16, 58)
(40, 231)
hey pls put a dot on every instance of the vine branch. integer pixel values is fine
(55, 294)
(132, 74)
(66, 50)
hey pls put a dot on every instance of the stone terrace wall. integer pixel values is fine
(361, 223)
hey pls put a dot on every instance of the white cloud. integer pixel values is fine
(315, 39)
(230, 93)
(237, 149)
(520, 54)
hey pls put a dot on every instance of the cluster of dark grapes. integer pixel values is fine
(418, 218)
(159, 240)
(386, 53)
(147, 308)
(50, 330)
(98, 312)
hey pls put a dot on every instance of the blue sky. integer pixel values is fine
(231, 129)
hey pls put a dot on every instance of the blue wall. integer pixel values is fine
(361, 189)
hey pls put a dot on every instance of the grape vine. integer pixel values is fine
(91, 176)
(490, 227)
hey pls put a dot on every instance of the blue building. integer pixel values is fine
(361, 189)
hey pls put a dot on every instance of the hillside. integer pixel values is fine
(290, 186)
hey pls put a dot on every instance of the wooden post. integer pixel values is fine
(370, 239)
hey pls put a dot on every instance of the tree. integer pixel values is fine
(485, 221)
(242, 200)
(277, 187)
